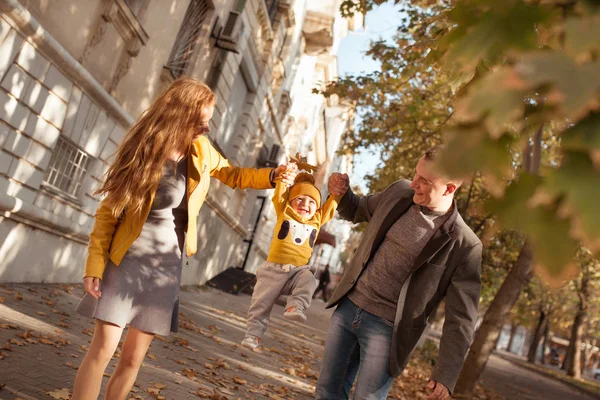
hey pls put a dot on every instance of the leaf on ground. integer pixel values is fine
(88, 331)
(70, 365)
(151, 356)
(160, 386)
(239, 380)
(190, 373)
(60, 394)
(8, 326)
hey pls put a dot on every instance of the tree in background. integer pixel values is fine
(503, 81)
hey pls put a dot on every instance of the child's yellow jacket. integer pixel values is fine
(111, 238)
(294, 236)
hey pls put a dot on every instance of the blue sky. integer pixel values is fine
(380, 22)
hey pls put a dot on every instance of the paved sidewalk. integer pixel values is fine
(42, 342)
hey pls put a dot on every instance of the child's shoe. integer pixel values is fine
(251, 342)
(294, 313)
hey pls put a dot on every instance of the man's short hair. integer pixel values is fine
(434, 152)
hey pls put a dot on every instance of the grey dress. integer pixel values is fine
(143, 290)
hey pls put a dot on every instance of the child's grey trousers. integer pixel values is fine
(273, 280)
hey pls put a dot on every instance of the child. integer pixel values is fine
(299, 218)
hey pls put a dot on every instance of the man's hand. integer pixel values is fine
(288, 173)
(92, 286)
(440, 392)
(338, 184)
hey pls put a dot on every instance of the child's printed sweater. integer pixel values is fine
(294, 236)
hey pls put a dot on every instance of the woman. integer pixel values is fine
(154, 191)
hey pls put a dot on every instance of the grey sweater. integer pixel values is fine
(379, 285)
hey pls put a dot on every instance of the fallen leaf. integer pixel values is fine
(18, 296)
(68, 364)
(151, 356)
(240, 381)
(61, 394)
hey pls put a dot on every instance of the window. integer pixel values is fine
(136, 5)
(272, 9)
(67, 169)
(185, 43)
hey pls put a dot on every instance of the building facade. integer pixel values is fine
(74, 75)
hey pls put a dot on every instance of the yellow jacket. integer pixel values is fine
(294, 236)
(111, 238)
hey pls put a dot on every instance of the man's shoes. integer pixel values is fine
(294, 313)
(251, 342)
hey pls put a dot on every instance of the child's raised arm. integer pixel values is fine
(280, 196)
(328, 209)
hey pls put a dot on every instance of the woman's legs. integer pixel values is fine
(89, 376)
(132, 354)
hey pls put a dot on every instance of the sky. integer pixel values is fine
(381, 22)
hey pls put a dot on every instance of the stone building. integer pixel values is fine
(75, 74)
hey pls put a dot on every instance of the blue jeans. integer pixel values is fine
(358, 342)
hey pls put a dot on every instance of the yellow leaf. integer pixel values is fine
(151, 356)
(239, 380)
(61, 394)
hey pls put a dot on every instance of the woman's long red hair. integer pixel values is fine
(165, 128)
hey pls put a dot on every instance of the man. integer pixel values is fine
(324, 280)
(416, 250)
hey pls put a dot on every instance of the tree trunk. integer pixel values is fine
(574, 364)
(567, 358)
(513, 332)
(537, 336)
(545, 342)
(486, 337)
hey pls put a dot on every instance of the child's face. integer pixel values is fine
(305, 206)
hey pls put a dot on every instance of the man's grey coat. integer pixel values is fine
(448, 266)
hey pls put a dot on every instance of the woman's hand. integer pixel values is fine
(92, 286)
(287, 172)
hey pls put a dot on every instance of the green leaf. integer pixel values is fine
(499, 97)
(574, 87)
(470, 148)
(579, 182)
(585, 135)
(487, 30)
(582, 35)
(548, 233)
